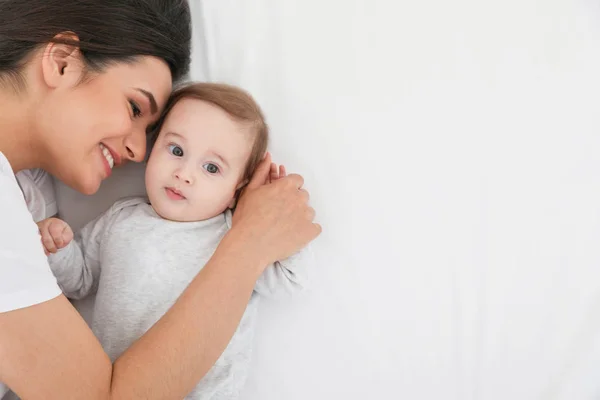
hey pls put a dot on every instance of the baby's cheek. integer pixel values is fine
(219, 202)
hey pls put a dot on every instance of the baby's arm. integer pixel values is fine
(76, 264)
(285, 277)
(38, 189)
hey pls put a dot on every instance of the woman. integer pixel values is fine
(77, 77)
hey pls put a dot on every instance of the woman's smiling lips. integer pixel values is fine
(110, 158)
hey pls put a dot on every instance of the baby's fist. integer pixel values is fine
(55, 233)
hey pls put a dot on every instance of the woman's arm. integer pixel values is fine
(48, 352)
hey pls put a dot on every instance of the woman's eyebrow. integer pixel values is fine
(151, 99)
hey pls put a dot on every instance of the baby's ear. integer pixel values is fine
(238, 191)
(232, 203)
(241, 185)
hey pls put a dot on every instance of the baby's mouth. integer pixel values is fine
(174, 193)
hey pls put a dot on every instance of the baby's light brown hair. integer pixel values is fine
(236, 102)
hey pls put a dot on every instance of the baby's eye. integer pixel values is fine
(211, 168)
(175, 150)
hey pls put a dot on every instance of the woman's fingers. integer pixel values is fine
(310, 213)
(296, 180)
(318, 229)
(305, 195)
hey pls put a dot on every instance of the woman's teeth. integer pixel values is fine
(107, 155)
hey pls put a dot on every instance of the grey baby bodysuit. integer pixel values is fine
(139, 263)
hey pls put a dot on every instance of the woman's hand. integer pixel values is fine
(274, 220)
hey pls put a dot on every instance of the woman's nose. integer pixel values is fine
(135, 145)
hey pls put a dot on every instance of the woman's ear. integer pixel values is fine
(62, 64)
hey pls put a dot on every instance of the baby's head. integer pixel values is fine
(208, 143)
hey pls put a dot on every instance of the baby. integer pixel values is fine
(141, 254)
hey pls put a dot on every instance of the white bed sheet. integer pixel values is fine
(453, 156)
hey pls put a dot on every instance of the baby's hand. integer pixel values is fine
(56, 234)
(276, 173)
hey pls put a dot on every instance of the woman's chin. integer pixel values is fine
(84, 180)
(85, 185)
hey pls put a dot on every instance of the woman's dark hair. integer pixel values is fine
(109, 31)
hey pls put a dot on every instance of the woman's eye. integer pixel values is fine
(135, 109)
(175, 150)
(211, 168)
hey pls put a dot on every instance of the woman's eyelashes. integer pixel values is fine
(136, 111)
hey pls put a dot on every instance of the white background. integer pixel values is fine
(452, 149)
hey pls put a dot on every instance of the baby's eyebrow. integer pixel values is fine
(221, 158)
(171, 133)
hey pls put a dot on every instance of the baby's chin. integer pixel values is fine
(169, 216)
(184, 214)
(165, 212)
(175, 214)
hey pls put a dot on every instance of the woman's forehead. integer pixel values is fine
(149, 75)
